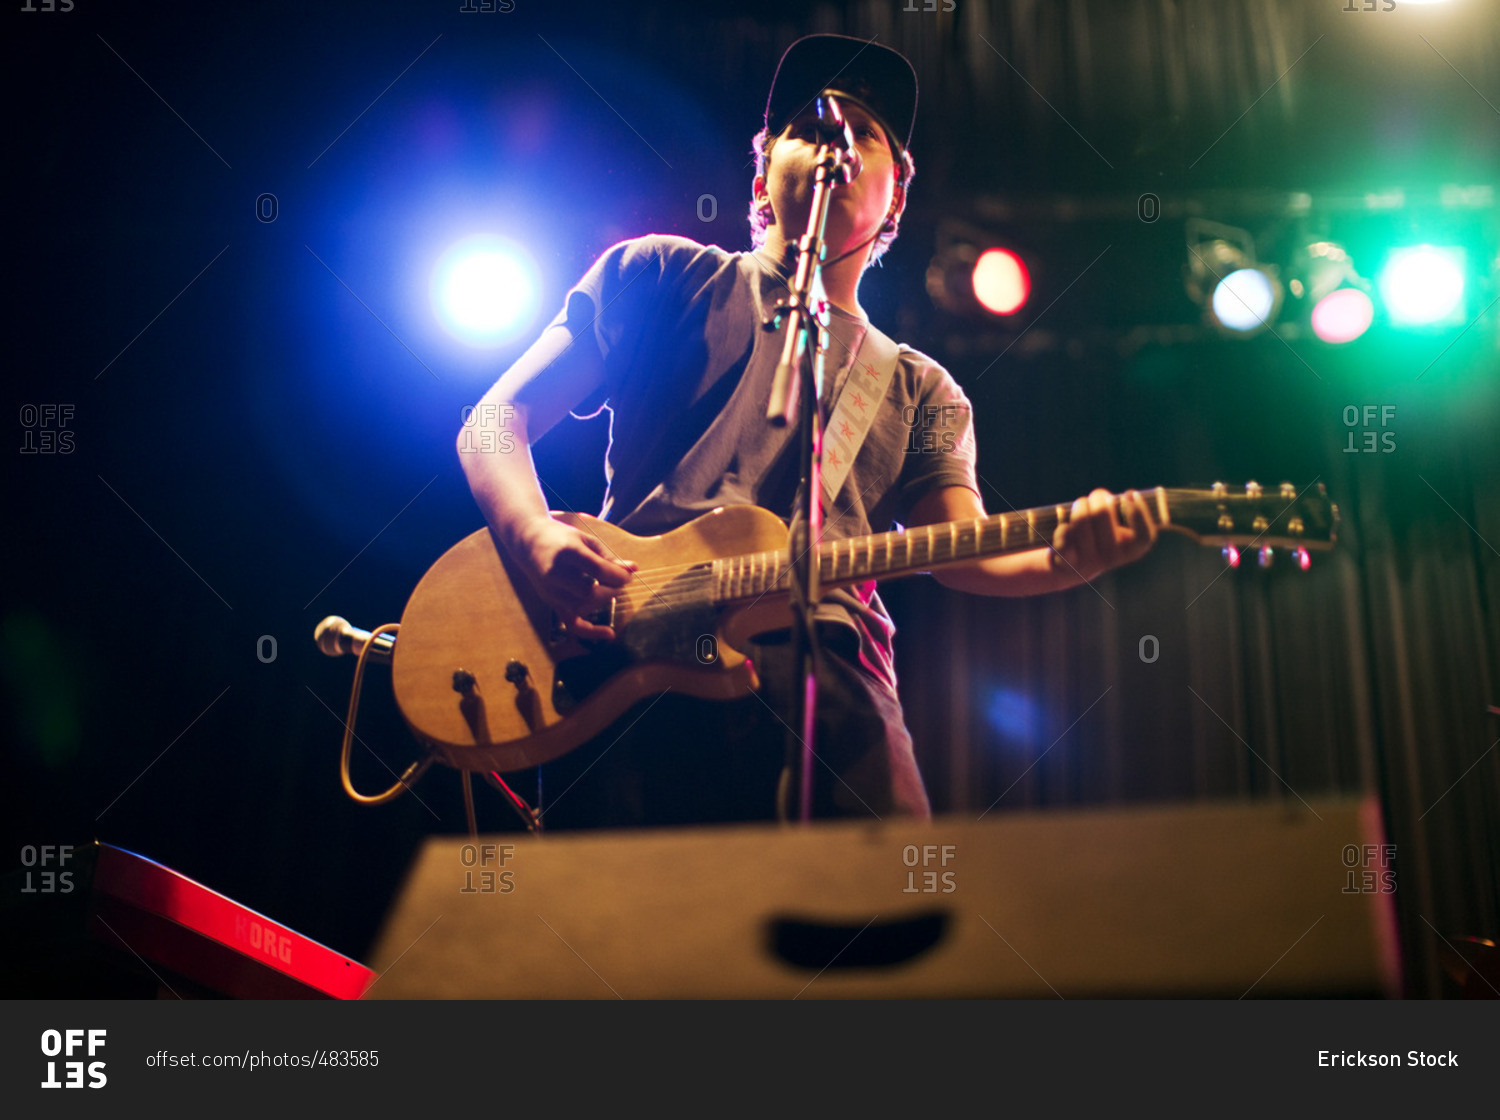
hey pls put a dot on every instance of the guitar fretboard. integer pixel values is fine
(892, 554)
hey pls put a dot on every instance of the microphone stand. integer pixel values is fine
(797, 392)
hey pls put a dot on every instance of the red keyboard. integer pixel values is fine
(173, 922)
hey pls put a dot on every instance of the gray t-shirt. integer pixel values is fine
(688, 371)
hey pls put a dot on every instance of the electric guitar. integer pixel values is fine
(486, 675)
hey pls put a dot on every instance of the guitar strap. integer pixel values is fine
(869, 363)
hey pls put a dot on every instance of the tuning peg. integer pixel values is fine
(1266, 556)
(1253, 489)
(1302, 557)
(1231, 556)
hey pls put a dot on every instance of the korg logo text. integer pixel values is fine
(265, 941)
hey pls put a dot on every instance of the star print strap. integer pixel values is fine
(870, 363)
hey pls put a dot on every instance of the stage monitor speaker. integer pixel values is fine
(1206, 899)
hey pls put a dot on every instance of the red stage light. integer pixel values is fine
(1001, 282)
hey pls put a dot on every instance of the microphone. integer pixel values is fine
(833, 130)
(337, 638)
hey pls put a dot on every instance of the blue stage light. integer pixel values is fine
(484, 290)
(1015, 719)
(1245, 300)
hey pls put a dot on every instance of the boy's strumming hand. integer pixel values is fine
(572, 572)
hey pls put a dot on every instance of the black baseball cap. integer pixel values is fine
(879, 78)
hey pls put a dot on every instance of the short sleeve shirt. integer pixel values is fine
(688, 372)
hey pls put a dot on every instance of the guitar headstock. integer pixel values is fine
(1261, 518)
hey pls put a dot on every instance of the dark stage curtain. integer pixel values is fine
(1177, 679)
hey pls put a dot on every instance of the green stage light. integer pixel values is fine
(1423, 285)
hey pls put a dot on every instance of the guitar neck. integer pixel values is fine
(922, 548)
(1284, 518)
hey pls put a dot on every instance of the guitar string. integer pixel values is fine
(1047, 519)
(677, 593)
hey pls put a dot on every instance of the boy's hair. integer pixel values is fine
(761, 147)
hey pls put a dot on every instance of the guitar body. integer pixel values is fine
(476, 614)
